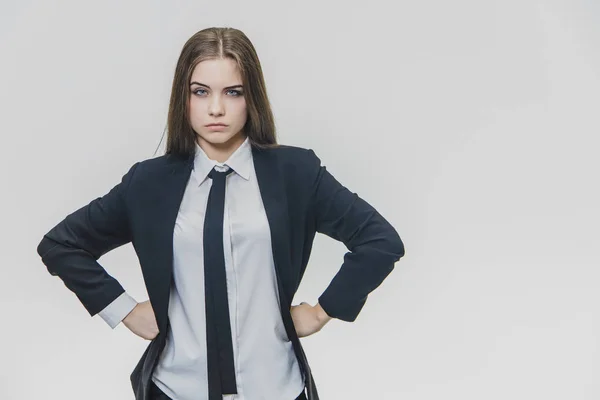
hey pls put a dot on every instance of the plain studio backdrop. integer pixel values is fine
(470, 125)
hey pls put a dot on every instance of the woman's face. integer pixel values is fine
(217, 96)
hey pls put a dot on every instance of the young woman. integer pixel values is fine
(223, 224)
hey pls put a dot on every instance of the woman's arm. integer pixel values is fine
(374, 244)
(70, 250)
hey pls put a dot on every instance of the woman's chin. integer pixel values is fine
(217, 138)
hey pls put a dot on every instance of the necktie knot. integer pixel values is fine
(218, 175)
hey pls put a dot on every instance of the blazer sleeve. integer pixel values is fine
(70, 250)
(374, 244)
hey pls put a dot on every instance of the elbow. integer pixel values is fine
(45, 246)
(396, 245)
(390, 245)
(43, 249)
(399, 247)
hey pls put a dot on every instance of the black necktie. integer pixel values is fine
(221, 371)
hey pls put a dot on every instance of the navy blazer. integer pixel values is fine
(300, 198)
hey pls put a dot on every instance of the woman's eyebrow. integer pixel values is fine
(202, 84)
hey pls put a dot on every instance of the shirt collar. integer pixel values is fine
(239, 161)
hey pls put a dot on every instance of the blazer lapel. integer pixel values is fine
(171, 188)
(272, 190)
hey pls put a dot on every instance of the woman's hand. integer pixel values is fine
(141, 321)
(308, 319)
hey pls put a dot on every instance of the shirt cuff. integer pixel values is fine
(116, 311)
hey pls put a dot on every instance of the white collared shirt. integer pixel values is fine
(265, 363)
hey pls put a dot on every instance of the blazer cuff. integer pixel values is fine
(341, 307)
(118, 309)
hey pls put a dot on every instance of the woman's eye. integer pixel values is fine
(236, 93)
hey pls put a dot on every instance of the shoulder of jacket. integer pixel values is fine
(160, 162)
(296, 155)
(151, 166)
(155, 162)
(298, 164)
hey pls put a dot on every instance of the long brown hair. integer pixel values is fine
(211, 43)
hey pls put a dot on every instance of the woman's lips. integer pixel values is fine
(216, 127)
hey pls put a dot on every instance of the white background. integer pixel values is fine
(472, 126)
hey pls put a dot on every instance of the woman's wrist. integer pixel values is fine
(322, 316)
